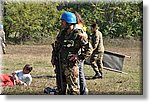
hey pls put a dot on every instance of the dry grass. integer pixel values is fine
(43, 75)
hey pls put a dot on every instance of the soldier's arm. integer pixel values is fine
(4, 38)
(100, 37)
(96, 41)
(86, 47)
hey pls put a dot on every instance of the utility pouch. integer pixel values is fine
(68, 43)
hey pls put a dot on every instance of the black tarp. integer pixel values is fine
(111, 60)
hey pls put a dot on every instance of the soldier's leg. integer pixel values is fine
(3, 48)
(71, 73)
(4, 51)
(93, 61)
(99, 62)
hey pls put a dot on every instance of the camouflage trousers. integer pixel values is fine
(96, 61)
(70, 78)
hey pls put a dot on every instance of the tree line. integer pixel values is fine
(36, 21)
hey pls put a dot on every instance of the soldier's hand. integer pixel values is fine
(73, 57)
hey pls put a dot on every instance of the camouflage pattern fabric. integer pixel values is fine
(96, 61)
(97, 55)
(2, 41)
(66, 45)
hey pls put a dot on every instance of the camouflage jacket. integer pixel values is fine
(96, 40)
(71, 43)
(2, 36)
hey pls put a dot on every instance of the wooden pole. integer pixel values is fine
(114, 70)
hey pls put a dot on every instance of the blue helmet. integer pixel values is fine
(68, 17)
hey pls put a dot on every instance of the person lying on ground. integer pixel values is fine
(19, 77)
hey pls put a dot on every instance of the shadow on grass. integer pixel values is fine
(44, 76)
(50, 76)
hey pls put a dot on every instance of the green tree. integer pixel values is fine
(24, 21)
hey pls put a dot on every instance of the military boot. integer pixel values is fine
(4, 51)
(97, 76)
(101, 74)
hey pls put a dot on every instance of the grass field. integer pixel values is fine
(43, 73)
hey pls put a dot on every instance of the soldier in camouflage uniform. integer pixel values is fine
(67, 45)
(98, 51)
(2, 39)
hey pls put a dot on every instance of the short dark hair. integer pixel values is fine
(94, 25)
(28, 67)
